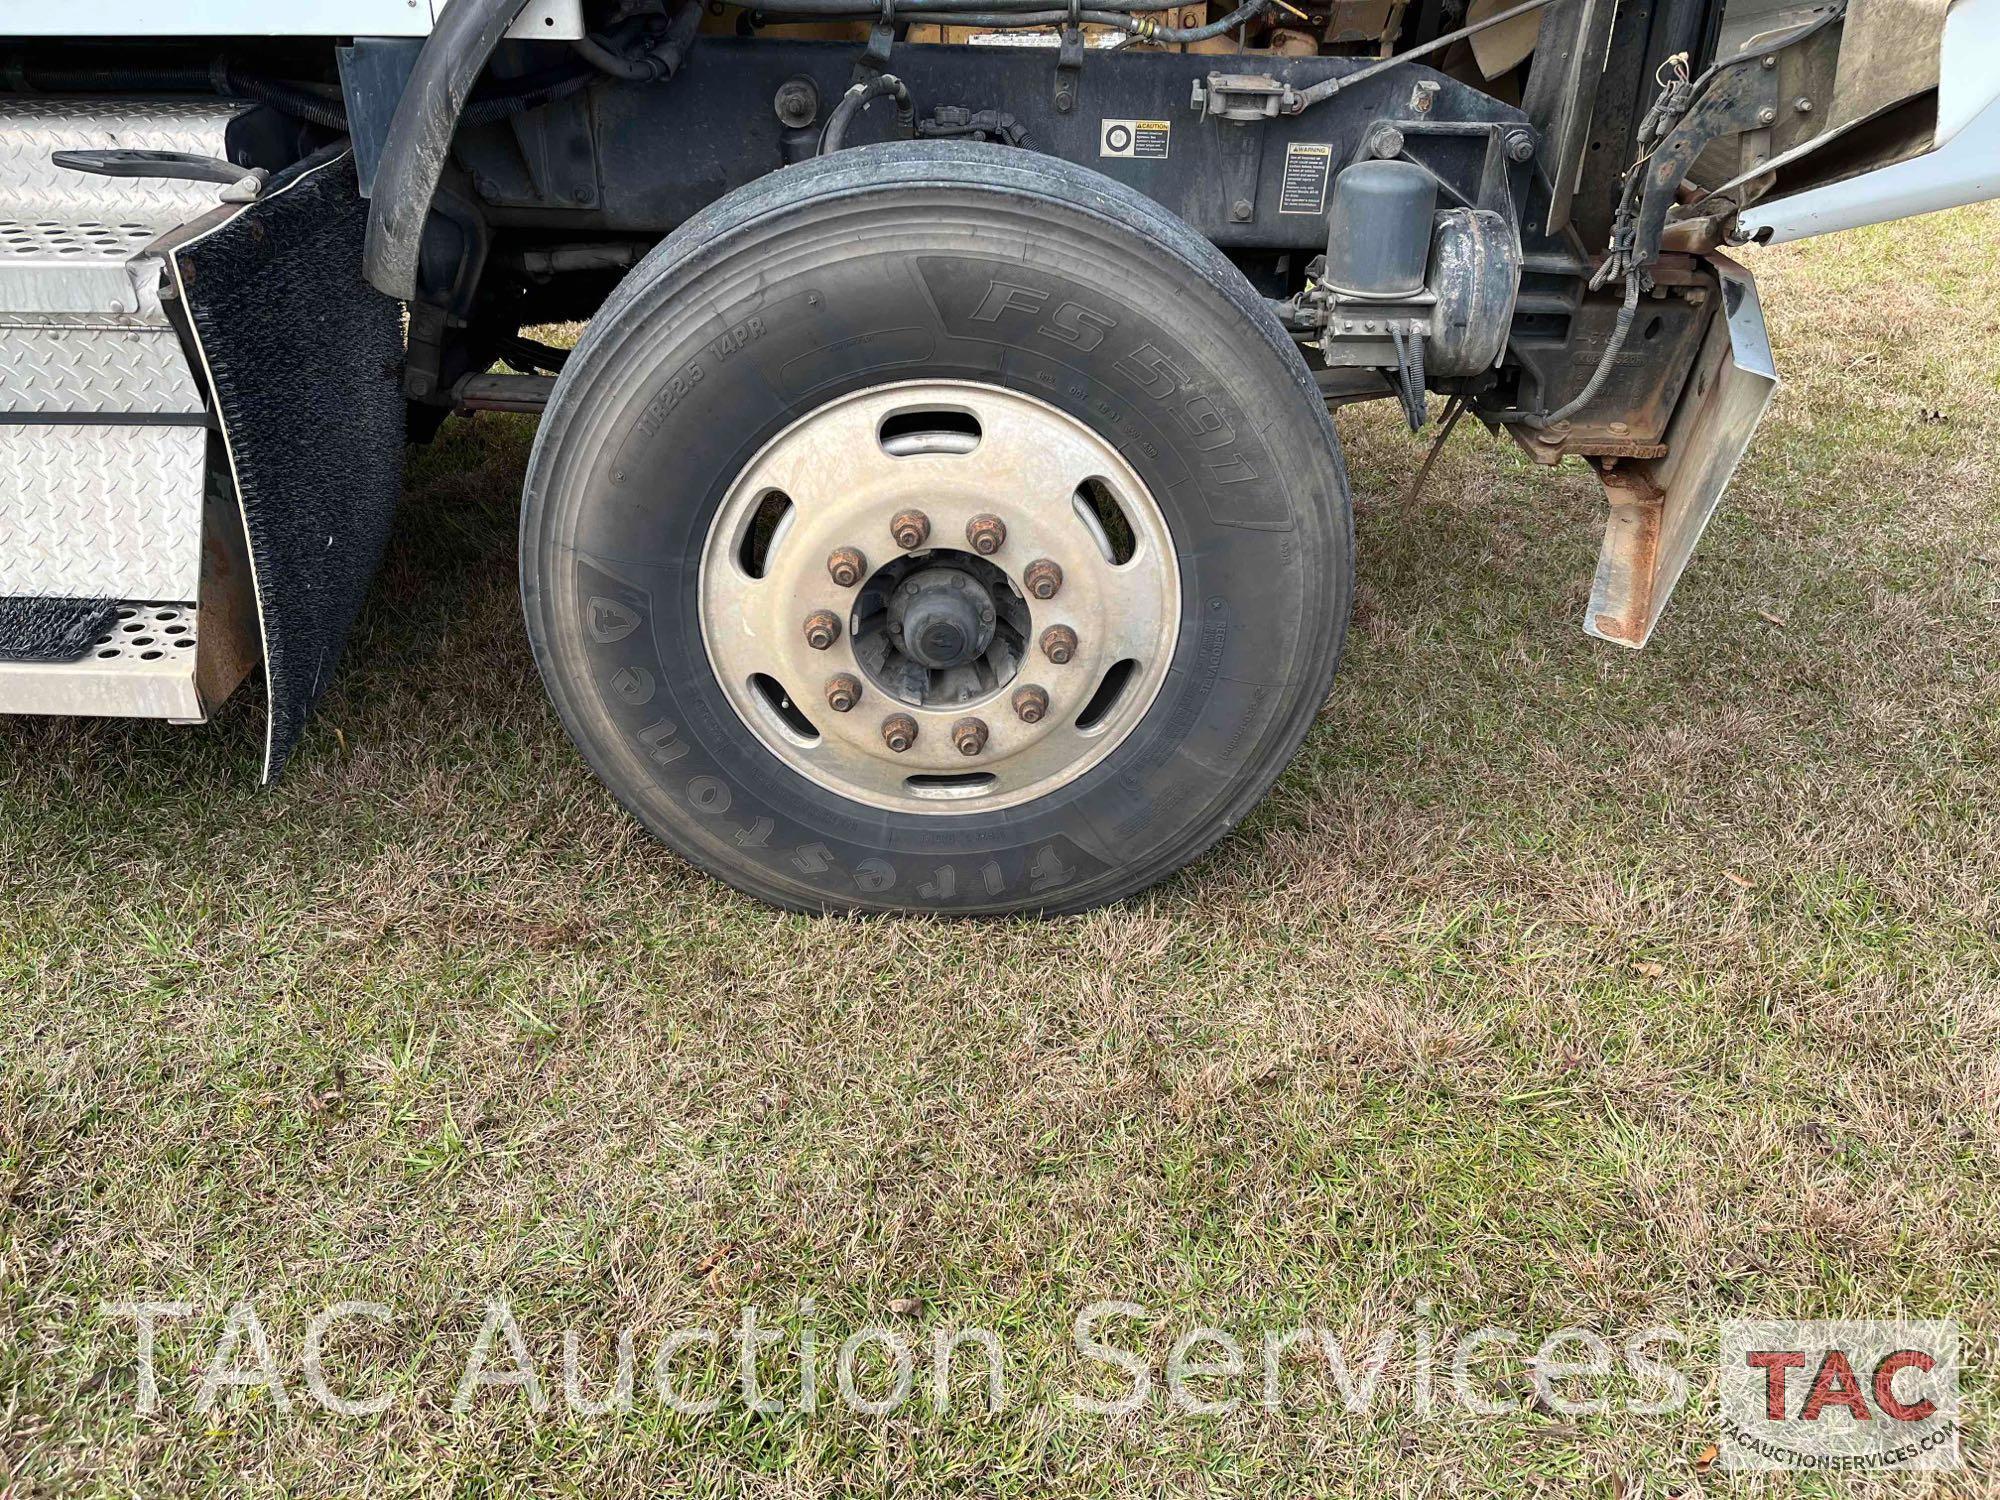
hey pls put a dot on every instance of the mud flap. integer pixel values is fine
(303, 360)
(1660, 506)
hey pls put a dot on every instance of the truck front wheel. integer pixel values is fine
(936, 527)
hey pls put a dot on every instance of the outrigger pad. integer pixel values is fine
(53, 630)
(305, 362)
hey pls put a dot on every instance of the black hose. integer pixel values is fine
(656, 63)
(528, 93)
(856, 99)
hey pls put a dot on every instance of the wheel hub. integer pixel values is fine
(943, 618)
(956, 680)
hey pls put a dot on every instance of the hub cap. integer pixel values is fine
(937, 633)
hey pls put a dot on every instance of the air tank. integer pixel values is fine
(1378, 230)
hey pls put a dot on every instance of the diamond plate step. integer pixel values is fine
(103, 442)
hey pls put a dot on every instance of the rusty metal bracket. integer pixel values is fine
(1660, 506)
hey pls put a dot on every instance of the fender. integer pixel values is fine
(420, 135)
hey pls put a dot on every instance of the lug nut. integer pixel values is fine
(843, 691)
(969, 735)
(899, 732)
(846, 566)
(910, 528)
(822, 629)
(1043, 578)
(987, 534)
(1059, 644)
(1031, 703)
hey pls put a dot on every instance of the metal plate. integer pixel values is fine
(1660, 507)
(77, 369)
(34, 190)
(145, 668)
(101, 512)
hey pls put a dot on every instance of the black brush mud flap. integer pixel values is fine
(303, 361)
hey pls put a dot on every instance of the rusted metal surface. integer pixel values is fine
(1660, 506)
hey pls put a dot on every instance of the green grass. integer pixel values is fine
(1554, 984)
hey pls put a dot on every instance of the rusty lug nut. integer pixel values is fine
(1059, 644)
(910, 528)
(969, 735)
(899, 732)
(846, 566)
(1031, 703)
(822, 629)
(843, 691)
(987, 534)
(1043, 578)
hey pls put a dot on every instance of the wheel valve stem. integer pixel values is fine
(899, 732)
(843, 691)
(1059, 644)
(910, 528)
(822, 629)
(987, 534)
(969, 735)
(846, 565)
(1031, 703)
(1043, 577)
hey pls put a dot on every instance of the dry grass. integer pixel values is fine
(1554, 984)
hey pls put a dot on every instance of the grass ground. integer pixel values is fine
(1553, 985)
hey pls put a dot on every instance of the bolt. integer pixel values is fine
(1520, 146)
(1386, 142)
(1059, 644)
(910, 528)
(1423, 96)
(1766, 115)
(1769, 61)
(846, 566)
(987, 534)
(797, 103)
(969, 735)
(899, 732)
(1240, 210)
(842, 692)
(1043, 578)
(1620, 429)
(822, 629)
(1031, 703)
(1802, 104)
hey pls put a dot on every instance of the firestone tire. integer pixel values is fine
(880, 265)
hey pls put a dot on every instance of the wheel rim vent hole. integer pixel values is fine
(904, 434)
(785, 709)
(1098, 508)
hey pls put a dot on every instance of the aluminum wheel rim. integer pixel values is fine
(1032, 465)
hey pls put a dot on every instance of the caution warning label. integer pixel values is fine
(1144, 138)
(1304, 188)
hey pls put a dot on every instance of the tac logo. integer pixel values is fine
(1840, 1396)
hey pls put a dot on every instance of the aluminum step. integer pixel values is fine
(105, 445)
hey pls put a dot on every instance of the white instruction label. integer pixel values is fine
(1303, 190)
(1147, 138)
